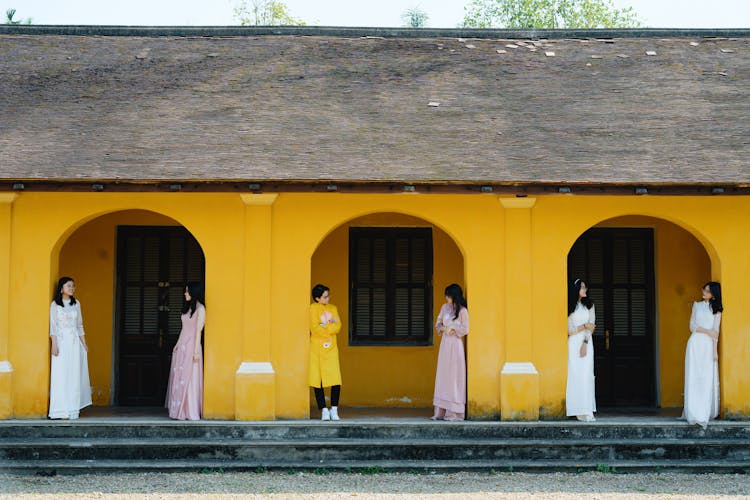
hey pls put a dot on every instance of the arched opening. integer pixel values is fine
(643, 275)
(387, 272)
(131, 268)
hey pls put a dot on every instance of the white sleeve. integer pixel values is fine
(717, 322)
(572, 329)
(79, 324)
(592, 315)
(53, 319)
(693, 319)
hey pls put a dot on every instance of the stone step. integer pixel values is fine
(372, 466)
(373, 449)
(395, 445)
(360, 430)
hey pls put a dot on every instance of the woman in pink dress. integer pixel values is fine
(185, 387)
(450, 380)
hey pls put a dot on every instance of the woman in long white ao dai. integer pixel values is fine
(580, 399)
(702, 358)
(69, 387)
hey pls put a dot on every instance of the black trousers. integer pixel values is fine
(320, 396)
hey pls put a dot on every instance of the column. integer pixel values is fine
(255, 380)
(6, 369)
(519, 380)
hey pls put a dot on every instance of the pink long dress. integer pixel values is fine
(185, 387)
(450, 379)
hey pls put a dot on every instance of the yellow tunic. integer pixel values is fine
(324, 352)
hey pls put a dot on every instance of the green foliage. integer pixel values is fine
(265, 13)
(548, 14)
(10, 13)
(605, 469)
(373, 469)
(261, 469)
(414, 17)
(321, 471)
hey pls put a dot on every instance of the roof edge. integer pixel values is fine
(344, 31)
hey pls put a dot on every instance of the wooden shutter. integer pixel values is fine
(390, 273)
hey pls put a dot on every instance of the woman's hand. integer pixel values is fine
(583, 350)
(590, 327)
(196, 358)
(55, 350)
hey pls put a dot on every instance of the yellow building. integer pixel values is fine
(386, 168)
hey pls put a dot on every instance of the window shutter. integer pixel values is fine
(390, 273)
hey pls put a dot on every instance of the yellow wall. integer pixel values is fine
(259, 251)
(384, 376)
(89, 257)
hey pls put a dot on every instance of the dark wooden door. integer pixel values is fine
(153, 266)
(618, 266)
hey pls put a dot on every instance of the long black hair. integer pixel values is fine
(195, 289)
(457, 297)
(715, 300)
(574, 293)
(58, 292)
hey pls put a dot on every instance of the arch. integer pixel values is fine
(425, 215)
(680, 262)
(83, 219)
(89, 251)
(413, 387)
(582, 224)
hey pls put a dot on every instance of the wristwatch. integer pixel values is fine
(585, 341)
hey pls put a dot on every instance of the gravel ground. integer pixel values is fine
(322, 485)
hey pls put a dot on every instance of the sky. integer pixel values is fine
(442, 13)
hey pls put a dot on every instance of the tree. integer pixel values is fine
(548, 14)
(414, 17)
(9, 18)
(265, 13)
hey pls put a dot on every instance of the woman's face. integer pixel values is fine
(68, 288)
(584, 289)
(188, 298)
(706, 292)
(323, 299)
(448, 300)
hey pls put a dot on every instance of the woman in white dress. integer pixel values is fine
(69, 387)
(702, 358)
(580, 400)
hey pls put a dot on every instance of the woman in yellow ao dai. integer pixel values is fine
(325, 324)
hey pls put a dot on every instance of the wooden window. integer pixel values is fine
(390, 277)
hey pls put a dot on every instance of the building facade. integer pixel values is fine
(120, 175)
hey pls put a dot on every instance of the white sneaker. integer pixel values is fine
(325, 414)
(335, 413)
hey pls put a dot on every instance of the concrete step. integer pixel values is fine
(393, 445)
(364, 430)
(379, 450)
(372, 466)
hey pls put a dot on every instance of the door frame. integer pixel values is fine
(117, 298)
(651, 283)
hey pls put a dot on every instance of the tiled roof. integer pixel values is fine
(645, 109)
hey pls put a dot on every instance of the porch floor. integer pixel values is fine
(367, 414)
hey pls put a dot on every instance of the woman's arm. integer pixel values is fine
(717, 326)
(694, 319)
(316, 328)
(55, 350)
(79, 327)
(334, 326)
(714, 331)
(201, 311)
(462, 328)
(572, 328)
